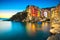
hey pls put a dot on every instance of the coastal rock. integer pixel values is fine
(55, 28)
(54, 37)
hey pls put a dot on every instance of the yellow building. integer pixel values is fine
(55, 20)
(55, 14)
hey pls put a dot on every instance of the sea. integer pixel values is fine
(11, 30)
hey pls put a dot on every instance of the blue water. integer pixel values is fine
(4, 18)
(23, 31)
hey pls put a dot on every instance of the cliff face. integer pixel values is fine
(20, 16)
(32, 12)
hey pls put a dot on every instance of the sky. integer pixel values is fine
(13, 6)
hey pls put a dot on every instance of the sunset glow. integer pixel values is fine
(8, 13)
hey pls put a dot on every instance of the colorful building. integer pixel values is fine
(55, 15)
(55, 19)
(47, 13)
(33, 11)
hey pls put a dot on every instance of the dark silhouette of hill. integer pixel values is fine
(19, 16)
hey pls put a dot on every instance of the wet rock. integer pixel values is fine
(54, 37)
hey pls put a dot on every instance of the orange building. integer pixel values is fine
(33, 11)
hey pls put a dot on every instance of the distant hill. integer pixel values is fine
(19, 16)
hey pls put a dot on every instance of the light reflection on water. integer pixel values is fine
(10, 29)
(19, 29)
(32, 28)
(45, 26)
(5, 26)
